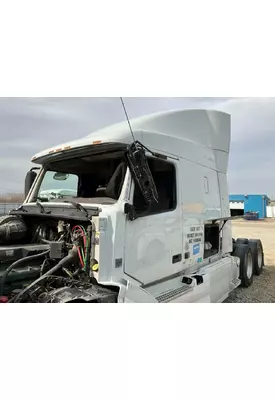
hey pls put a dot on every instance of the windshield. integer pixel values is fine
(85, 180)
(57, 185)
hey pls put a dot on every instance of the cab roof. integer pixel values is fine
(176, 132)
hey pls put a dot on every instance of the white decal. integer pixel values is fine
(195, 235)
(102, 225)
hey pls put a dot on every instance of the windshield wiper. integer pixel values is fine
(42, 199)
(61, 197)
(42, 209)
(78, 207)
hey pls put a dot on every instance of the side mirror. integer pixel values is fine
(30, 178)
(129, 210)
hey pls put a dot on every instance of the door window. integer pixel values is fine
(164, 175)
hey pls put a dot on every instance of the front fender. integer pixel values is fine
(135, 294)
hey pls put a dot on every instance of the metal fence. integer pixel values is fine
(5, 208)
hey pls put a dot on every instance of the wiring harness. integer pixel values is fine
(82, 238)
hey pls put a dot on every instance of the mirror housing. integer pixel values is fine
(60, 176)
(30, 178)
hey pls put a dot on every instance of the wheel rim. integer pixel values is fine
(249, 266)
(260, 259)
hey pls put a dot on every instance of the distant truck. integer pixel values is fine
(146, 218)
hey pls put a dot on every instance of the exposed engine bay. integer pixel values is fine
(48, 260)
(47, 251)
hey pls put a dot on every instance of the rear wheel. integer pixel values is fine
(242, 241)
(244, 253)
(258, 255)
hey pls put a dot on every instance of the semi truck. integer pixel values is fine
(137, 212)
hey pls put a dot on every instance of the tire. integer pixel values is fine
(242, 241)
(244, 253)
(258, 255)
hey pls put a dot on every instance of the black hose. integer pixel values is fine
(45, 241)
(43, 266)
(16, 264)
(88, 251)
(71, 257)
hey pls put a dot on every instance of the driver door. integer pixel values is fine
(153, 240)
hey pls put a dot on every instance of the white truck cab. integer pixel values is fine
(157, 204)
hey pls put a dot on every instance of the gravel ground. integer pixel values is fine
(263, 288)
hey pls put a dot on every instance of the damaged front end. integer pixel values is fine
(58, 289)
(45, 259)
(49, 248)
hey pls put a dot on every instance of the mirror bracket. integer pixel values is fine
(129, 210)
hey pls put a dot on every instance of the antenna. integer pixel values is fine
(125, 111)
(139, 167)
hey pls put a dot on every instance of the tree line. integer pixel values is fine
(11, 198)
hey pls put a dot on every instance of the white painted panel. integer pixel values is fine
(200, 202)
(270, 211)
(236, 205)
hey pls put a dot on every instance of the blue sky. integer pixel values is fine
(27, 125)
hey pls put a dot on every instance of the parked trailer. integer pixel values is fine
(150, 221)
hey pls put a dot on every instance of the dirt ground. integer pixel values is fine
(263, 288)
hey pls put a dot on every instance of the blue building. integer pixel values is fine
(241, 204)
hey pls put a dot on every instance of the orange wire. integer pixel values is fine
(78, 229)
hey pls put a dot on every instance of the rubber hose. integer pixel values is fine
(16, 264)
(45, 241)
(72, 256)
